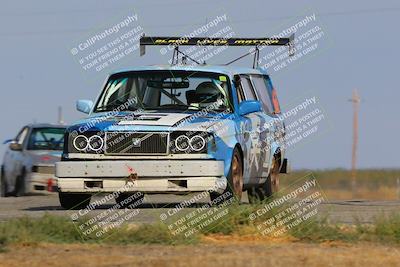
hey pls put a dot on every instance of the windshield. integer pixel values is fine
(165, 90)
(46, 139)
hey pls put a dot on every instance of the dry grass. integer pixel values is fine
(363, 192)
(336, 184)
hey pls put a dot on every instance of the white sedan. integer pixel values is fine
(28, 164)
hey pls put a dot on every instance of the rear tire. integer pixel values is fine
(234, 188)
(260, 193)
(74, 201)
(266, 190)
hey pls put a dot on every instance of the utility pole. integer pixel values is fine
(60, 116)
(356, 104)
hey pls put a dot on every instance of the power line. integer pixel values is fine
(157, 26)
(92, 10)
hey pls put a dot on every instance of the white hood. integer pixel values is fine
(160, 119)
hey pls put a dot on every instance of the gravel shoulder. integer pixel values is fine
(154, 205)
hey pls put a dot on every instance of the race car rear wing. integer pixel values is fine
(205, 41)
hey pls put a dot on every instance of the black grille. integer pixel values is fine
(136, 143)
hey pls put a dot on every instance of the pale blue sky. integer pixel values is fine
(360, 51)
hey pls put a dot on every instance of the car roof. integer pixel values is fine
(46, 125)
(228, 70)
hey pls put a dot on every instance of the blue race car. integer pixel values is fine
(176, 129)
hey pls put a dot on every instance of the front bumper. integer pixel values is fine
(40, 183)
(149, 176)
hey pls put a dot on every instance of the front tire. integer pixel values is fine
(20, 184)
(74, 201)
(3, 186)
(234, 187)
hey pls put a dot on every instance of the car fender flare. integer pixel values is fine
(276, 156)
(228, 158)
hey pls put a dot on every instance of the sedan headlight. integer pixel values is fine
(182, 143)
(189, 142)
(96, 143)
(197, 143)
(43, 169)
(81, 143)
(87, 142)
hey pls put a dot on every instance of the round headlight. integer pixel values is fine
(96, 143)
(182, 143)
(81, 142)
(197, 143)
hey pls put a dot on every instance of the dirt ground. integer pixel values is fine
(214, 251)
(363, 192)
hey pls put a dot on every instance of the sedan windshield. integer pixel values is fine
(165, 90)
(46, 139)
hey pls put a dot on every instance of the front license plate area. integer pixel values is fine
(93, 184)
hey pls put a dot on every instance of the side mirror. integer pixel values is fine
(84, 106)
(15, 146)
(249, 106)
(7, 141)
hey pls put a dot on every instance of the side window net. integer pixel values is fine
(247, 88)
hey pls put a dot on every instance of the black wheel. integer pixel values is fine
(3, 186)
(234, 187)
(72, 201)
(130, 200)
(267, 189)
(20, 184)
(260, 193)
